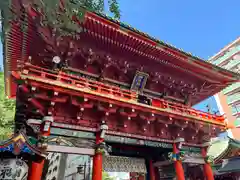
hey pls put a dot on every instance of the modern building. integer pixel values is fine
(228, 100)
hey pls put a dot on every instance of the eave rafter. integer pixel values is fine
(143, 121)
(40, 108)
(48, 84)
(130, 49)
(137, 40)
(202, 66)
(57, 93)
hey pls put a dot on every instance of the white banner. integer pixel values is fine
(13, 169)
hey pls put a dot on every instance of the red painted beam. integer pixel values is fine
(95, 97)
(34, 102)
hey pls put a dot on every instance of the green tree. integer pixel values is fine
(7, 106)
(98, 6)
(7, 111)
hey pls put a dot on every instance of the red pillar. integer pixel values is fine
(207, 167)
(35, 170)
(97, 162)
(151, 170)
(178, 165)
(157, 173)
(97, 167)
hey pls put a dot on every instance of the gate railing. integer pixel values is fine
(114, 91)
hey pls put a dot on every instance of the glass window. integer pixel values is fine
(236, 109)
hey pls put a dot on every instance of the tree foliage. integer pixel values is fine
(7, 111)
(98, 6)
(7, 106)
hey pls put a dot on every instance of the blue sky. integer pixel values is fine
(200, 27)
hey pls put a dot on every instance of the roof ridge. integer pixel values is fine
(146, 35)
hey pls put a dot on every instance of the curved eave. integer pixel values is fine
(148, 40)
(152, 39)
(9, 145)
(112, 33)
(109, 28)
(233, 149)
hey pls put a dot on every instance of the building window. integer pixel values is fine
(237, 122)
(236, 109)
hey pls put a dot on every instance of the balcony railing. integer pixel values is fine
(231, 88)
(232, 64)
(227, 55)
(233, 98)
(235, 109)
(109, 91)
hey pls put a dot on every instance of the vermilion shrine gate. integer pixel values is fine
(80, 75)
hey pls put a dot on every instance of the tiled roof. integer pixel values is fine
(128, 27)
(25, 145)
(231, 165)
(223, 148)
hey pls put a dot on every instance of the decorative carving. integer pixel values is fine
(134, 141)
(103, 148)
(70, 111)
(209, 159)
(71, 141)
(176, 156)
(20, 143)
(42, 143)
(193, 157)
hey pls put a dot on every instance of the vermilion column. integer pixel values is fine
(97, 167)
(36, 169)
(151, 170)
(97, 161)
(207, 167)
(157, 173)
(178, 165)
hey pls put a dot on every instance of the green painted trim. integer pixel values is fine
(134, 141)
(191, 149)
(72, 133)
